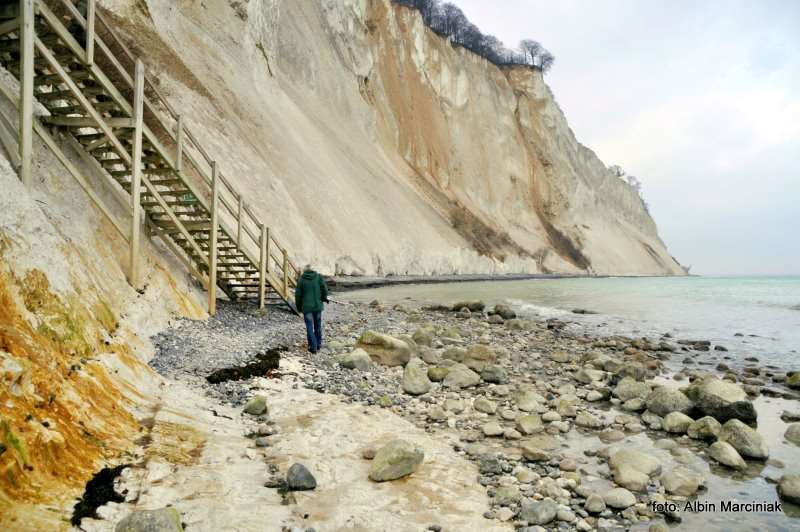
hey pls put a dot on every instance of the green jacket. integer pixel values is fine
(311, 292)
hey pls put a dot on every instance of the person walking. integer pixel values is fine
(310, 296)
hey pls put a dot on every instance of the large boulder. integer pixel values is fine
(793, 380)
(482, 404)
(565, 407)
(682, 482)
(505, 312)
(495, 374)
(506, 495)
(789, 488)
(529, 424)
(460, 376)
(256, 406)
(472, 306)
(630, 478)
(538, 512)
(792, 433)
(456, 354)
(528, 400)
(589, 421)
(645, 463)
(437, 373)
(385, 349)
(629, 388)
(479, 356)
(299, 478)
(744, 439)
(619, 498)
(664, 400)
(517, 324)
(397, 459)
(358, 359)
(632, 469)
(705, 428)
(415, 378)
(722, 400)
(424, 336)
(589, 375)
(635, 370)
(538, 448)
(725, 454)
(676, 423)
(162, 520)
(594, 504)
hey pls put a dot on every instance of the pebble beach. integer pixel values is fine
(563, 430)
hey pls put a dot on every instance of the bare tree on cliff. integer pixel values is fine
(531, 50)
(546, 61)
(492, 49)
(448, 20)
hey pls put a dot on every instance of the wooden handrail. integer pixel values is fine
(183, 139)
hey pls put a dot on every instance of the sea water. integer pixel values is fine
(750, 316)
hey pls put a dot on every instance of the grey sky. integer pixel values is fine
(700, 100)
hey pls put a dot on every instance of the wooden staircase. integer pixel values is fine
(100, 101)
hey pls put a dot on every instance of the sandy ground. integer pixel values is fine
(203, 465)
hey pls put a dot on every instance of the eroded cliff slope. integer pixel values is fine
(372, 145)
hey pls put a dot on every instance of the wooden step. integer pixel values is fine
(102, 107)
(68, 94)
(170, 203)
(50, 79)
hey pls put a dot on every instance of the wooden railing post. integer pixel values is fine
(136, 173)
(262, 267)
(212, 252)
(27, 38)
(285, 274)
(266, 267)
(179, 140)
(90, 18)
(240, 219)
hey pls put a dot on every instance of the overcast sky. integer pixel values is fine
(700, 100)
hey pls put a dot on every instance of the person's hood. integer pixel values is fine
(310, 275)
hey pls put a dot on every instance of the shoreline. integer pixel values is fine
(352, 283)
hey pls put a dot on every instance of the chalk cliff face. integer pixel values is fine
(371, 145)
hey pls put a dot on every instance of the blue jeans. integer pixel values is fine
(313, 330)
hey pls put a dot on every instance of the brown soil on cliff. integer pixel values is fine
(62, 414)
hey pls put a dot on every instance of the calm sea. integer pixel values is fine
(750, 316)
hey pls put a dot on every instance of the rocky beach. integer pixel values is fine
(462, 417)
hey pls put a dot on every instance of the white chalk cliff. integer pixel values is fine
(373, 146)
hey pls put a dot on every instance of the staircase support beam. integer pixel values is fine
(212, 260)
(27, 49)
(90, 19)
(239, 220)
(136, 175)
(286, 275)
(179, 142)
(262, 267)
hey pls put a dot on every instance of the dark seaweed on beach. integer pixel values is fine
(264, 363)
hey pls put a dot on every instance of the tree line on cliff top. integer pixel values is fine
(447, 20)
